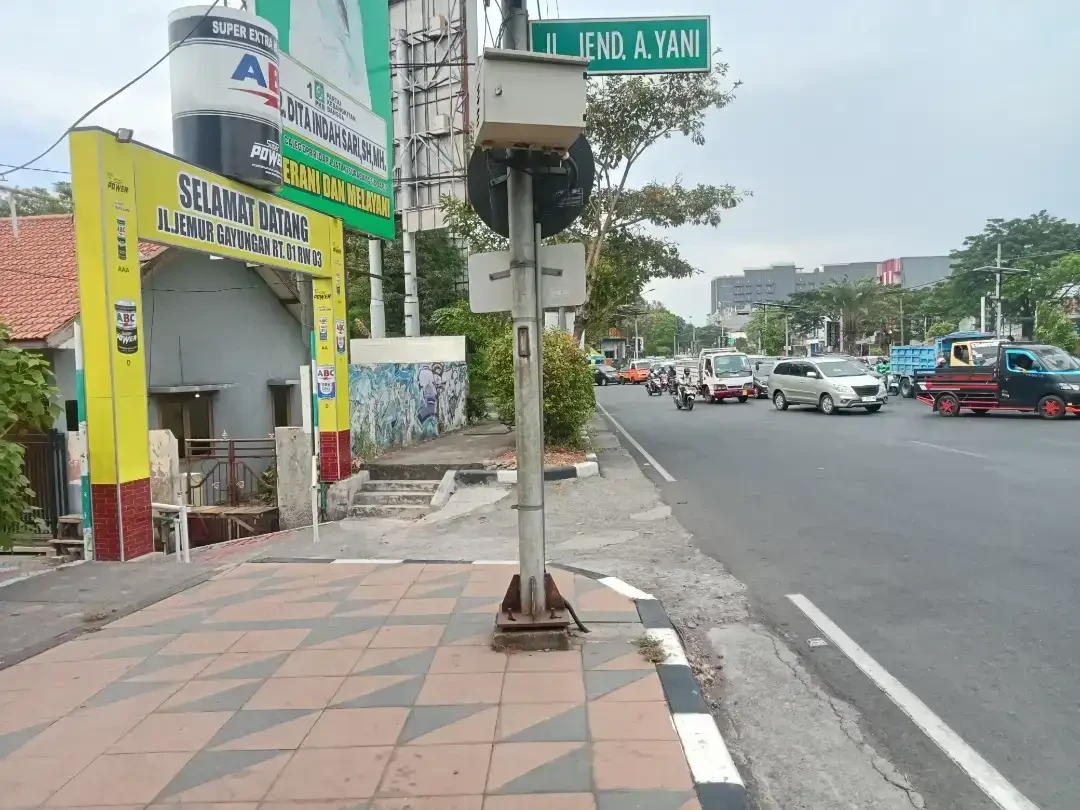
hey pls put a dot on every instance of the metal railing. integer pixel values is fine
(230, 472)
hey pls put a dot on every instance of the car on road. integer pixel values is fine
(831, 384)
(637, 372)
(763, 366)
(605, 375)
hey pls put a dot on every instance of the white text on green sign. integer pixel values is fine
(639, 45)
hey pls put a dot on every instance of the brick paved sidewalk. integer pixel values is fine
(342, 687)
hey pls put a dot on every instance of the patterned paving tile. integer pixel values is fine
(638, 765)
(396, 661)
(350, 687)
(436, 770)
(543, 801)
(225, 776)
(646, 800)
(171, 733)
(542, 722)
(562, 767)
(269, 729)
(366, 691)
(295, 693)
(212, 695)
(344, 728)
(331, 773)
(446, 725)
(446, 690)
(627, 685)
(120, 779)
(246, 665)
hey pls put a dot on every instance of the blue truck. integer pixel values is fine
(907, 362)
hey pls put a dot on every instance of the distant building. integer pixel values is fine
(775, 284)
(914, 271)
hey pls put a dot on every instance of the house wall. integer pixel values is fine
(405, 390)
(63, 366)
(239, 334)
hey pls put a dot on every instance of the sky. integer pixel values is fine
(865, 129)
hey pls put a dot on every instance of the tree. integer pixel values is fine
(1036, 244)
(625, 117)
(26, 394)
(939, 328)
(766, 330)
(57, 201)
(440, 269)
(856, 305)
(1055, 327)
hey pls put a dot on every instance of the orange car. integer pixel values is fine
(637, 372)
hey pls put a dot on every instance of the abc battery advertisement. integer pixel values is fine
(336, 138)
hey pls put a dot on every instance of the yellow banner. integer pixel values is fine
(341, 326)
(181, 205)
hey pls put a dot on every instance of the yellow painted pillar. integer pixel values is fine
(110, 298)
(332, 365)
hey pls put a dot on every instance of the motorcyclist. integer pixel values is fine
(883, 367)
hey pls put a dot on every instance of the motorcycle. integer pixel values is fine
(663, 382)
(684, 396)
(652, 386)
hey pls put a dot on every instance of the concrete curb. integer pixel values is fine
(583, 469)
(716, 779)
(445, 489)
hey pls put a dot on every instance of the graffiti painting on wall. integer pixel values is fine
(397, 404)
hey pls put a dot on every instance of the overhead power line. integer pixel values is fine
(114, 94)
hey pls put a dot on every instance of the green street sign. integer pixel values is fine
(631, 45)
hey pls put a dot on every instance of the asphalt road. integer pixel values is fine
(946, 548)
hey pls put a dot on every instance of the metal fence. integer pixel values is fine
(45, 467)
(231, 472)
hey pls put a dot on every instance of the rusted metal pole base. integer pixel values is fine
(516, 630)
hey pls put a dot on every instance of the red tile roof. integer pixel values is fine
(39, 291)
(38, 288)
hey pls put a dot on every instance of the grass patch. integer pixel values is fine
(651, 649)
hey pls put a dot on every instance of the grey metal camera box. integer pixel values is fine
(530, 100)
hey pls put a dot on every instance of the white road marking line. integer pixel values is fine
(656, 464)
(705, 750)
(625, 588)
(992, 783)
(949, 449)
(672, 645)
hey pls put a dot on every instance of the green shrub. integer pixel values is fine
(479, 331)
(568, 386)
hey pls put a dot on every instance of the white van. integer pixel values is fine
(725, 374)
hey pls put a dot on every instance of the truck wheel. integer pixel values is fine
(948, 405)
(907, 391)
(1051, 407)
(779, 401)
(826, 405)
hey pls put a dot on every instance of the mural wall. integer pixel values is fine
(397, 404)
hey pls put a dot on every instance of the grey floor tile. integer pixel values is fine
(570, 773)
(253, 721)
(570, 726)
(426, 719)
(600, 682)
(400, 694)
(643, 799)
(206, 766)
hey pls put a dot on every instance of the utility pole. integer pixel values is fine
(403, 127)
(376, 310)
(1000, 322)
(635, 338)
(528, 383)
(901, 318)
(841, 331)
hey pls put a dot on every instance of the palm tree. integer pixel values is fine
(855, 305)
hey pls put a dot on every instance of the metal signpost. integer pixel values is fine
(631, 45)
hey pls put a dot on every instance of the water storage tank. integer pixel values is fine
(226, 105)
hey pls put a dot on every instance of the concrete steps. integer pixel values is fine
(393, 499)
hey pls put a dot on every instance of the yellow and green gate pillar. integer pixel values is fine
(332, 366)
(110, 292)
(182, 206)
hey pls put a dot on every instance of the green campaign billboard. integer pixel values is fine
(629, 45)
(337, 142)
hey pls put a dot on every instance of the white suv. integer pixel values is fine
(830, 384)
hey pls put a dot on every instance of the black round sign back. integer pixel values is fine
(561, 187)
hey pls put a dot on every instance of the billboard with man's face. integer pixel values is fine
(337, 140)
